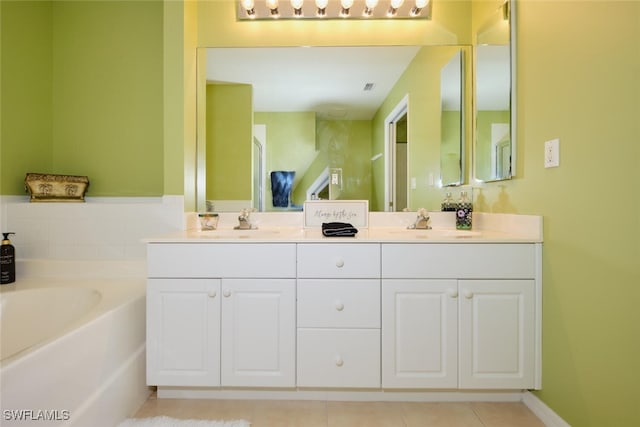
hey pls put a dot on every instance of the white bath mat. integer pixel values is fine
(174, 422)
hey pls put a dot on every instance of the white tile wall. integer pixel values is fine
(102, 228)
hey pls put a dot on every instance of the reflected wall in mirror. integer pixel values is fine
(494, 149)
(320, 112)
(452, 121)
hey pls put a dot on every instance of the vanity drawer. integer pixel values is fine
(327, 260)
(241, 260)
(338, 358)
(335, 303)
(459, 261)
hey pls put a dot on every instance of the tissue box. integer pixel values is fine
(56, 188)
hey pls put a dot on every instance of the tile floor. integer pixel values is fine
(305, 413)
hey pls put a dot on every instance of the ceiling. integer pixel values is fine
(331, 80)
(327, 80)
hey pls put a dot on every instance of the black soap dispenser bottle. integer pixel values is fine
(448, 205)
(7, 261)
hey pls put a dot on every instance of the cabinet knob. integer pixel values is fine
(227, 293)
(340, 263)
(212, 294)
(339, 306)
(453, 293)
(468, 294)
(339, 361)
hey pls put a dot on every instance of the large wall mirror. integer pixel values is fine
(494, 135)
(378, 123)
(390, 124)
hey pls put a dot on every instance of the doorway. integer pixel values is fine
(396, 194)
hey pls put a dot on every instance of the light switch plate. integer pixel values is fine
(552, 153)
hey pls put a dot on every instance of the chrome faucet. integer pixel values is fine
(243, 220)
(422, 221)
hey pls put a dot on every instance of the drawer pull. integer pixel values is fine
(212, 294)
(340, 263)
(339, 306)
(468, 294)
(227, 293)
(339, 361)
(453, 293)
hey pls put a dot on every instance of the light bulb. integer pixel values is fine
(247, 4)
(346, 5)
(417, 9)
(396, 3)
(369, 5)
(273, 7)
(322, 8)
(297, 7)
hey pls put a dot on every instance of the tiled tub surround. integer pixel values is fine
(347, 314)
(90, 370)
(101, 228)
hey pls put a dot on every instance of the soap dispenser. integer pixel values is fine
(464, 209)
(7, 261)
(448, 205)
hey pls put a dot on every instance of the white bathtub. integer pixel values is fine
(73, 352)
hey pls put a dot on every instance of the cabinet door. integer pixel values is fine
(419, 333)
(258, 334)
(497, 334)
(183, 332)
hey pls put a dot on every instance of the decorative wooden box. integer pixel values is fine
(56, 188)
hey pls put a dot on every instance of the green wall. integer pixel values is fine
(83, 94)
(291, 146)
(482, 152)
(26, 141)
(578, 67)
(451, 134)
(229, 137)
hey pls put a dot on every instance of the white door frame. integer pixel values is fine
(389, 152)
(260, 136)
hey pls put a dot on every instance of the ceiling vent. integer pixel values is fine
(368, 87)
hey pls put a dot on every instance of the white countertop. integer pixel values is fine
(383, 227)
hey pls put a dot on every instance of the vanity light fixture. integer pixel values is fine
(297, 7)
(417, 9)
(369, 6)
(333, 9)
(393, 7)
(345, 8)
(322, 8)
(272, 5)
(248, 6)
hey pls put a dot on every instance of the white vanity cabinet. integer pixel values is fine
(460, 316)
(338, 316)
(221, 314)
(353, 316)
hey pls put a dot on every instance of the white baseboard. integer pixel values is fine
(542, 411)
(359, 395)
